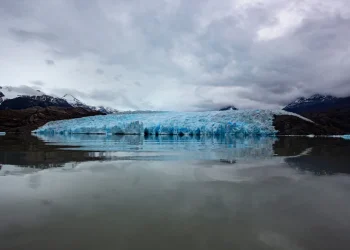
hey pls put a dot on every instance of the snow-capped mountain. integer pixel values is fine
(316, 103)
(26, 101)
(1, 97)
(231, 107)
(23, 97)
(74, 102)
(106, 110)
(8, 92)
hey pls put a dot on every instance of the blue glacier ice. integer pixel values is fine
(346, 137)
(243, 122)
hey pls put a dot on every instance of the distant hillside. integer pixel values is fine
(24, 97)
(317, 103)
(24, 102)
(325, 110)
(231, 107)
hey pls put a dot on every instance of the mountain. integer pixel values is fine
(23, 97)
(76, 103)
(325, 110)
(105, 110)
(317, 103)
(24, 102)
(231, 107)
(23, 109)
(1, 97)
(8, 92)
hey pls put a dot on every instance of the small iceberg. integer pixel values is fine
(243, 122)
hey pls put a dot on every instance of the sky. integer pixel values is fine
(177, 54)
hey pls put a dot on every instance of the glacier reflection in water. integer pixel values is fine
(172, 147)
(135, 192)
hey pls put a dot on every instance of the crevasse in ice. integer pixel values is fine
(245, 122)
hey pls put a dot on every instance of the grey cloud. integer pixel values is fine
(209, 105)
(103, 95)
(173, 45)
(98, 96)
(24, 35)
(118, 77)
(63, 91)
(18, 8)
(23, 90)
(137, 83)
(272, 71)
(99, 71)
(37, 83)
(112, 96)
(50, 62)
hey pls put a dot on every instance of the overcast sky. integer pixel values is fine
(177, 55)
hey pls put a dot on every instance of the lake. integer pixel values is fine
(169, 192)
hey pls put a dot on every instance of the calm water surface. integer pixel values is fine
(131, 192)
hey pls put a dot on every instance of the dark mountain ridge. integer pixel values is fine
(325, 110)
(230, 107)
(24, 102)
(317, 103)
(27, 97)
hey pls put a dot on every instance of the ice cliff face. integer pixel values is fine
(244, 122)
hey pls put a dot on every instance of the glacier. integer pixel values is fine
(242, 122)
(346, 137)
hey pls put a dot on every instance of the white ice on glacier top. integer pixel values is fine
(245, 122)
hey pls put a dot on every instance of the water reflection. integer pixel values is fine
(46, 151)
(30, 151)
(131, 192)
(324, 156)
(317, 155)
